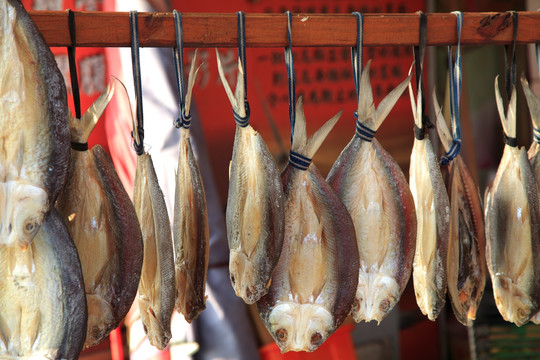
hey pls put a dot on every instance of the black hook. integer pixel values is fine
(357, 52)
(419, 53)
(73, 65)
(511, 70)
(290, 74)
(185, 119)
(136, 64)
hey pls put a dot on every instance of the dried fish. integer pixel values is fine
(42, 301)
(466, 260)
(374, 190)
(190, 226)
(433, 220)
(255, 209)
(34, 133)
(103, 224)
(513, 227)
(314, 283)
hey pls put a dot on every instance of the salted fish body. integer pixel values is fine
(42, 302)
(433, 220)
(34, 133)
(513, 228)
(157, 284)
(314, 283)
(534, 151)
(255, 206)
(190, 225)
(466, 257)
(101, 219)
(374, 190)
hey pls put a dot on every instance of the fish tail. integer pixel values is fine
(533, 102)
(442, 127)
(509, 120)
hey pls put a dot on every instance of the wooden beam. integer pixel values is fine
(111, 29)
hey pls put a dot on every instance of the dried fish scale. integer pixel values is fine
(513, 228)
(315, 280)
(374, 190)
(43, 305)
(34, 133)
(103, 224)
(255, 209)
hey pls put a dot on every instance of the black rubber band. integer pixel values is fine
(419, 133)
(73, 65)
(510, 141)
(299, 161)
(79, 146)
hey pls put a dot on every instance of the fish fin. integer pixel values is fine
(442, 127)
(416, 104)
(299, 140)
(81, 129)
(387, 104)
(317, 139)
(366, 108)
(509, 120)
(236, 99)
(532, 101)
(191, 82)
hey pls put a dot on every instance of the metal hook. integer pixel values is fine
(178, 54)
(242, 55)
(73, 65)
(289, 62)
(511, 70)
(357, 52)
(419, 53)
(136, 64)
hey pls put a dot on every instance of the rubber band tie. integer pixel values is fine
(289, 62)
(136, 65)
(299, 161)
(242, 121)
(455, 75)
(536, 135)
(184, 120)
(419, 52)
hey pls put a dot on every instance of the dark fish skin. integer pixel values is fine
(337, 282)
(56, 99)
(399, 248)
(103, 223)
(466, 258)
(190, 234)
(43, 304)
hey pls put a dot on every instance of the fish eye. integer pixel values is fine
(384, 305)
(521, 313)
(282, 335)
(30, 226)
(355, 305)
(316, 339)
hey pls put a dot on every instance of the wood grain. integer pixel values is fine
(111, 29)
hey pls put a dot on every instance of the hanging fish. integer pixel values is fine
(190, 227)
(314, 283)
(466, 269)
(374, 190)
(433, 219)
(103, 224)
(42, 301)
(255, 210)
(34, 133)
(513, 226)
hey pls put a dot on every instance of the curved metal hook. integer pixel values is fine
(289, 62)
(73, 65)
(136, 64)
(357, 54)
(511, 70)
(184, 120)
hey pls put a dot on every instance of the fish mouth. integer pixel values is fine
(513, 303)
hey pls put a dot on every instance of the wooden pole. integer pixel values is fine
(111, 29)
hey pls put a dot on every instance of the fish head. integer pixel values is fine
(22, 210)
(244, 278)
(100, 316)
(300, 327)
(376, 296)
(513, 303)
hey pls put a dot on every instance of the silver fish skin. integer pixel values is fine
(255, 207)
(534, 151)
(101, 219)
(34, 132)
(433, 221)
(190, 224)
(43, 305)
(314, 283)
(466, 258)
(374, 190)
(513, 228)
(157, 283)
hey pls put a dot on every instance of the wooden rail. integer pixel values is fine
(111, 29)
